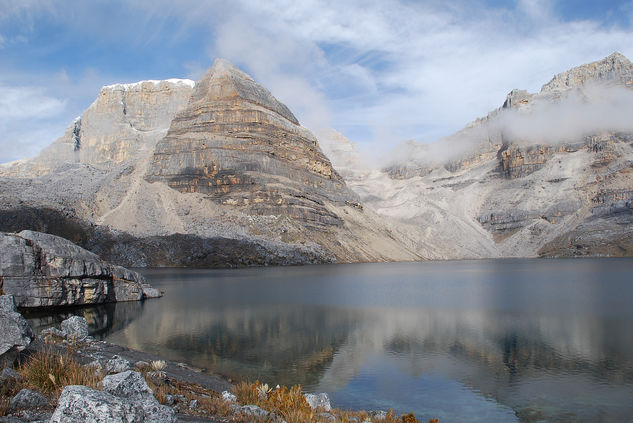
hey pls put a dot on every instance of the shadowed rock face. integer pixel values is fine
(239, 146)
(45, 270)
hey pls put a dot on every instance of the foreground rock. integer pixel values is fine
(45, 270)
(318, 401)
(133, 387)
(80, 404)
(15, 332)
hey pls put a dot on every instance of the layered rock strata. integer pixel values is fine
(236, 144)
(45, 270)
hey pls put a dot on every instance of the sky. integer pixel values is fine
(379, 72)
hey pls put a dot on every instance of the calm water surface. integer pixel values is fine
(489, 341)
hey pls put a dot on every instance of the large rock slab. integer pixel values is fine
(132, 386)
(40, 269)
(80, 404)
(15, 332)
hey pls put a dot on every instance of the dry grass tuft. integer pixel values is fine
(292, 407)
(4, 406)
(247, 393)
(49, 372)
(289, 404)
(409, 418)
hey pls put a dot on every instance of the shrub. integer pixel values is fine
(409, 418)
(49, 373)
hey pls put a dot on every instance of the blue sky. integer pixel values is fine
(380, 72)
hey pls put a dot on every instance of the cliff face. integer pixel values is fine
(124, 121)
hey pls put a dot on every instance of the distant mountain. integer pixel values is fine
(216, 173)
(546, 174)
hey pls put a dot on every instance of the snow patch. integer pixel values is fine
(137, 85)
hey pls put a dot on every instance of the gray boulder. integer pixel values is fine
(40, 270)
(27, 399)
(128, 384)
(16, 332)
(318, 401)
(378, 414)
(229, 397)
(116, 365)
(132, 386)
(250, 410)
(80, 404)
(75, 328)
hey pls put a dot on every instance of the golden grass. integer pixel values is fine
(4, 406)
(290, 404)
(48, 372)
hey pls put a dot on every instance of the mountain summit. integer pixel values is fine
(225, 82)
(615, 68)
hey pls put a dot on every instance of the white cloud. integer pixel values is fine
(27, 117)
(420, 71)
(28, 103)
(379, 71)
(594, 109)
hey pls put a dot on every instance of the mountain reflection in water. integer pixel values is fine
(511, 340)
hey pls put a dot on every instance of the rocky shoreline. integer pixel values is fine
(133, 386)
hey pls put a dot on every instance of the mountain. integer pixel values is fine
(216, 173)
(220, 173)
(546, 174)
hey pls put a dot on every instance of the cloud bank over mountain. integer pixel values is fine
(379, 72)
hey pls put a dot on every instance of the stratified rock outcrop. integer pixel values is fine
(45, 270)
(235, 143)
(614, 69)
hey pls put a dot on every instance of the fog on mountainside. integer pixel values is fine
(544, 119)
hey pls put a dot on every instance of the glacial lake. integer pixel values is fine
(464, 341)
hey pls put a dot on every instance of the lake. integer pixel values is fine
(463, 341)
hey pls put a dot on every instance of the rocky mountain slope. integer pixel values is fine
(546, 174)
(215, 173)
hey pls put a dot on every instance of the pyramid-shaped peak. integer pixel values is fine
(615, 68)
(224, 68)
(617, 58)
(225, 82)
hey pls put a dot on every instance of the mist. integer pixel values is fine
(549, 118)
